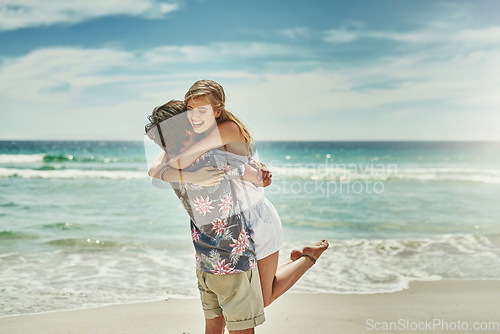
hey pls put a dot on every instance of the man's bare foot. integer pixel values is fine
(295, 255)
(314, 252)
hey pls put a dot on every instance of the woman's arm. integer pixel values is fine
(225, 133)
(254, 171)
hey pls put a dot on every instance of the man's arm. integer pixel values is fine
(254, 172)
(169, 174)
(158, 164)
(205, 176)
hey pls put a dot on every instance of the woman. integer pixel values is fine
(217, 127)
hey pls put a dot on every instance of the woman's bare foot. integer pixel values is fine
(295, 255)
(314, 252)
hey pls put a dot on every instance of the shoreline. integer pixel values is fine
(467, 301)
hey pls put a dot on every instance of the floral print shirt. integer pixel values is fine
(220, 235)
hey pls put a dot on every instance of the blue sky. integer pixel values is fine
(292, 70)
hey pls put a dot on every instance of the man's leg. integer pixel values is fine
(240, 297)
(214, 319)
(215, 325)
(244, 331)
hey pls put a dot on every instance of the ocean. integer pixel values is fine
(82, 225)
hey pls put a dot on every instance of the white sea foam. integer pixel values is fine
(20, 158)
(490, 176)
(73, 174)
(364, 266)
(323, 172)
(68, 277)
(343, 174)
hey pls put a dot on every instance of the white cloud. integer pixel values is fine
(486, 35)
(16, 14)
(489, 35)
(107, 87)
(64, 73)
(448, 22)
(341, 35)
(220, 52)
(295, 33)
(407, 97)
(59, 73)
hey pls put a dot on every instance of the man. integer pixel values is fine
(228, 278)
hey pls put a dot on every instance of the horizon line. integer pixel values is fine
(280, 140)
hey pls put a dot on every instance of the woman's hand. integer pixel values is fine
(205, 177)
(264, 175)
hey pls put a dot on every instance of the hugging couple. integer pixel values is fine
(207, 158)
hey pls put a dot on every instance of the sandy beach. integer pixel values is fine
(433, 306)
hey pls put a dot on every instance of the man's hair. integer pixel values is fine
(168, 125)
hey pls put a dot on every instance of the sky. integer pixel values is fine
(291, 70)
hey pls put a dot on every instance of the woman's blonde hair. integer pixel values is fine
(214, 94)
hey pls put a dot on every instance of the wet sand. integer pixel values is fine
(442, 304)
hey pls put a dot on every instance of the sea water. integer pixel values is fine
(82, 225)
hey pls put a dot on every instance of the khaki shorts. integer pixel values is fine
(238, 297)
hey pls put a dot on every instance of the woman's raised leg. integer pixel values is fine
(276, 280)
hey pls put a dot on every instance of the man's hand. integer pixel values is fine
(205, 177)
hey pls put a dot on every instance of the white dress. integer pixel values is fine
(261, 218)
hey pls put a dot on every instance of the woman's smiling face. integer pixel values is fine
(201, 114)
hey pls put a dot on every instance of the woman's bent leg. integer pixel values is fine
(276, 280)
(267, 272)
